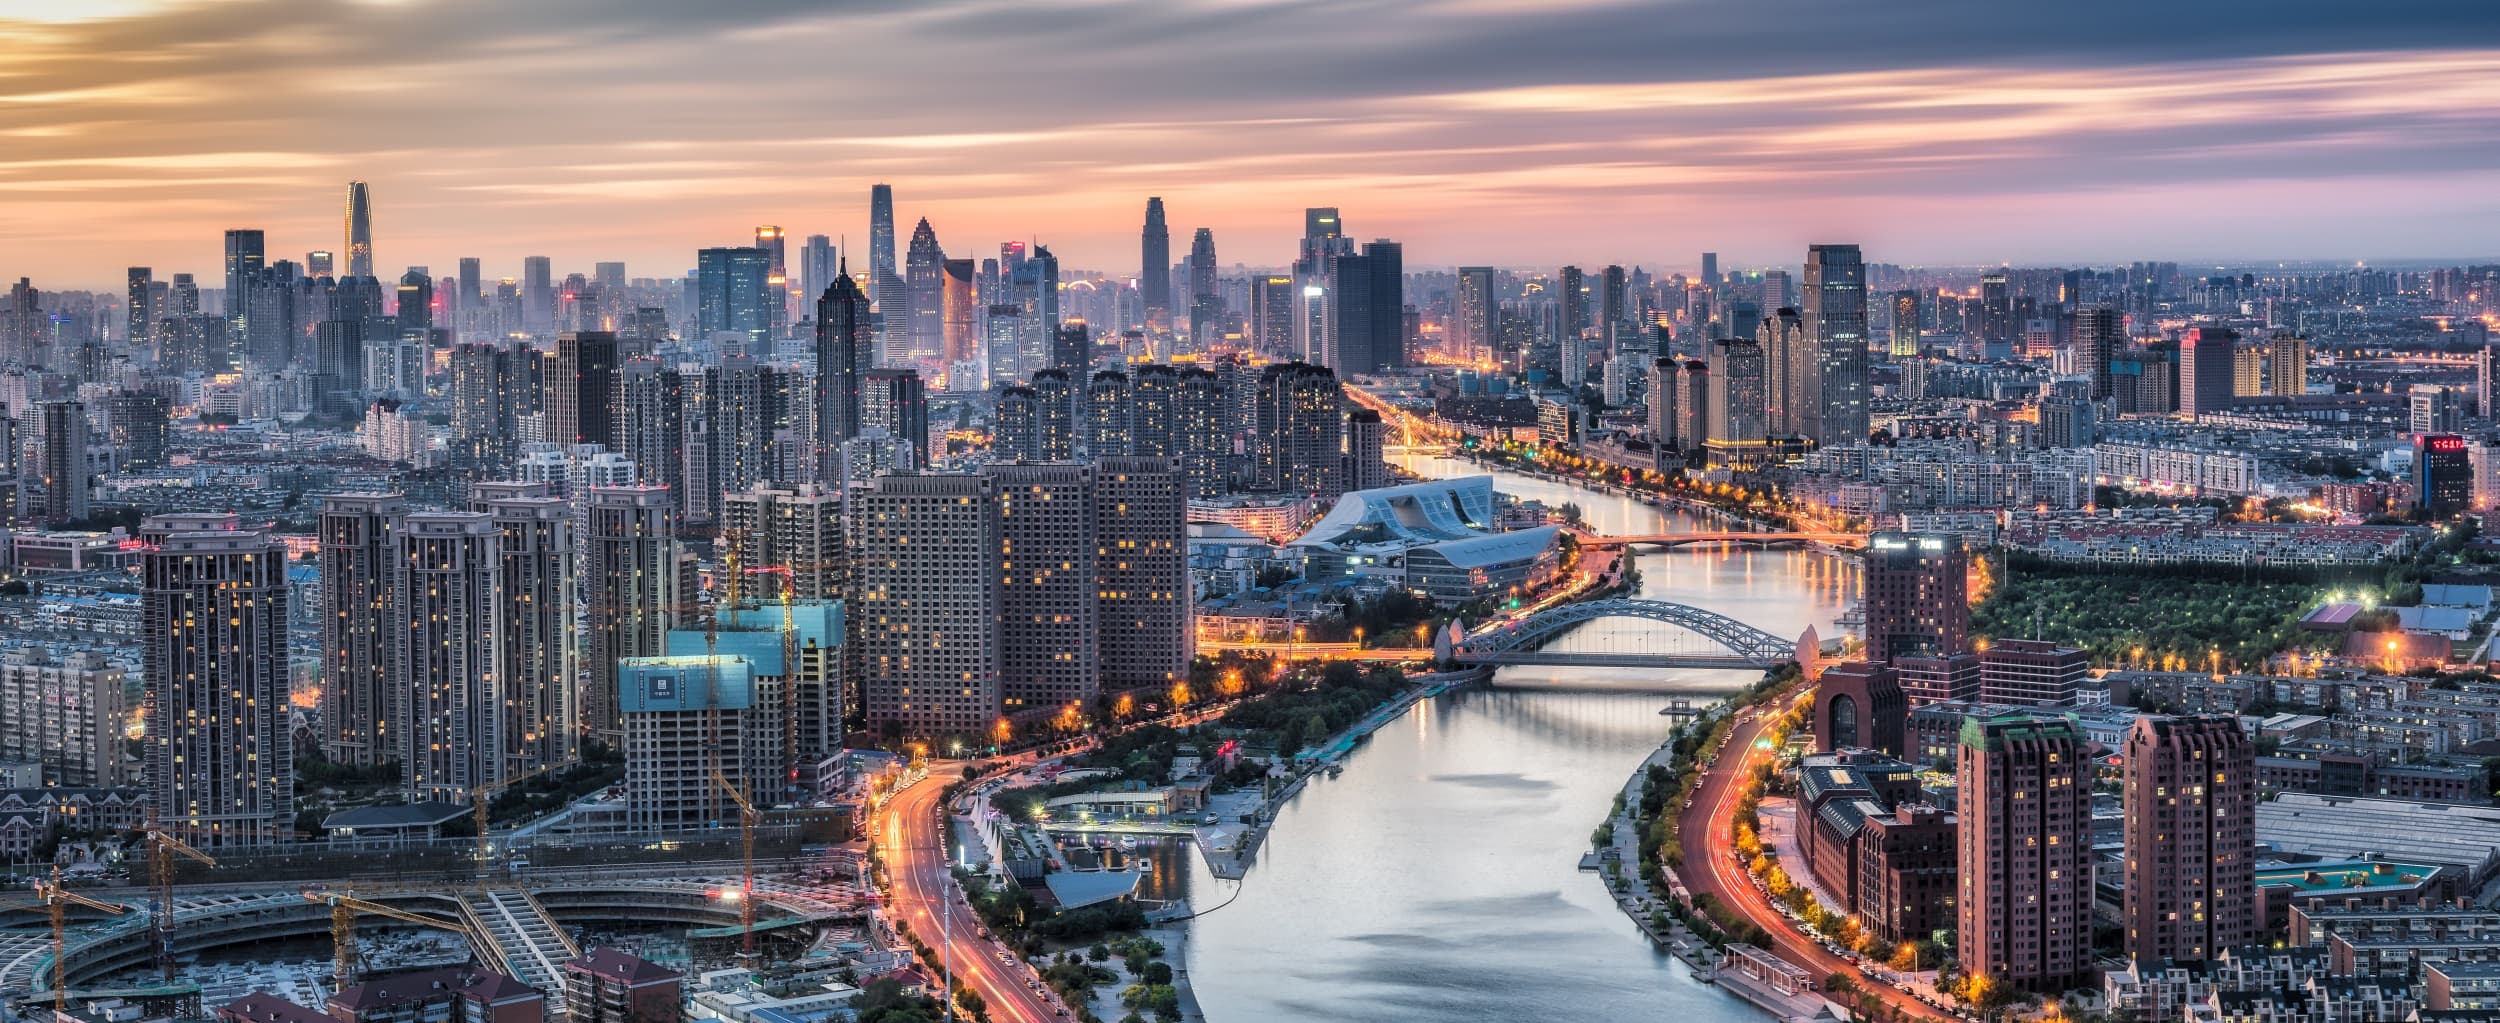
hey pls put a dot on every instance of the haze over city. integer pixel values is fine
(1934, 132)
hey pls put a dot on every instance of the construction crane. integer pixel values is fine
(162, 847)
(57, 901)
(789, 668)
(343, 910)
(479, 796)
(748, 815)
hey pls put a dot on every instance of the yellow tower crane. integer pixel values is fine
(343, 910)
(162, 848)
(748, 816)
(56, 901)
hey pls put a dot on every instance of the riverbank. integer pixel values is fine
(1233, 864)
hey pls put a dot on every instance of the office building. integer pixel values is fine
(2207, 371)
(2191, 821)
(1141, 529)
(358, 559)
(2032, 673)
(924, 296)
(66, 712)
(1049, 643)
(64, 462)
(1477, 328)
(246, 255)
(138, 306)
(1154, 273)
(1904, 341)
(2024, 857)
(220, 762)
(538, 294)
(359, 230)
(631, 591)
(581, 389)
(2443, 474)
(734, 296)
(2431, 408)
(819, 264)
(2100, 337)
(894, 401)
(927, 602)
(1917, 595)
(1738, 422)
(1790, 398)
(1859, 705)
(1366, 310)
(959, 339)
(1835, 320)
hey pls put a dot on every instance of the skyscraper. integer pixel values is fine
(776, 246)
(2024, 854)
(1054, 415)
(359, 230)
(1366, 442)
(1206, 304)
(1272, 318)
(734, 295)
(1738, 421)
(842, 363)
(539, 656)
(1154, 276)
(359, 557)
(651, 424)
(2287, 365)
(1787, 369)
(1905, 325)
(928, 604)
(1299, 446)
(630, 592)
(1917, 595)
(894, 400)
(65, 483)
(1835, 318)
(1110, 424)
(1141, 508)
(1366, 310)
(213, 613)
(1612, 307)
(538, 294)
(925, 297)
(2100, 337)
(581, 389)
(818, 263)
(1479, 322)
(448, 616)
(959, 339)
(139, 307)
(795, 531)
(2207, 371)
(1571, 312)
(246, 253)
(2191, 837)
(885, 278)
(1049, 647)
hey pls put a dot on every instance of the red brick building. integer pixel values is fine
(2024, 853)
(2191, 828)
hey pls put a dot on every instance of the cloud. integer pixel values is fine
(1514, 133)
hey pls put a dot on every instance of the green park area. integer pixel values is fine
(2166, 619)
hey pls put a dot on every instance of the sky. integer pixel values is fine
(1510, 132)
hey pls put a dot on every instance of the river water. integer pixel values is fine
(1438, 879)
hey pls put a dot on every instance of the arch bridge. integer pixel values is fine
(1519, 641)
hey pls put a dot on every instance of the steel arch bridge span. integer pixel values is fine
(1528, 633)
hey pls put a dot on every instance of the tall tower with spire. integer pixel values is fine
(1154, 277)
(359, 230)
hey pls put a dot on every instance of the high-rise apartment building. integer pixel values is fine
(1917, 595)
(792, 532)
(1109, 419)
(1049, 644)
(2191, 835)
(1141, 512)
(927, 603)
(630, 591)
(358, 559)
(213, 614)
(447, 620)
(2100, 338)
(2287, 365)
(539, 651)
(1300, 443)
(1366, 450)
(894, 400)
(2024, 908)
(66, 712)
(1054, 416)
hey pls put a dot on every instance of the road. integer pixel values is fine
(912, 836)
(1712, 814)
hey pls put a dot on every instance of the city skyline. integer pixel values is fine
(1960, 135)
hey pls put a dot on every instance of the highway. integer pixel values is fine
(912, 835)
(1712, 814)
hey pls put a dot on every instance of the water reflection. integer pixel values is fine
(1437, 878)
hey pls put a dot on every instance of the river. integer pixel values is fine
(1438, 878)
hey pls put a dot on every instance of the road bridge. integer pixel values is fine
(1520, 640)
